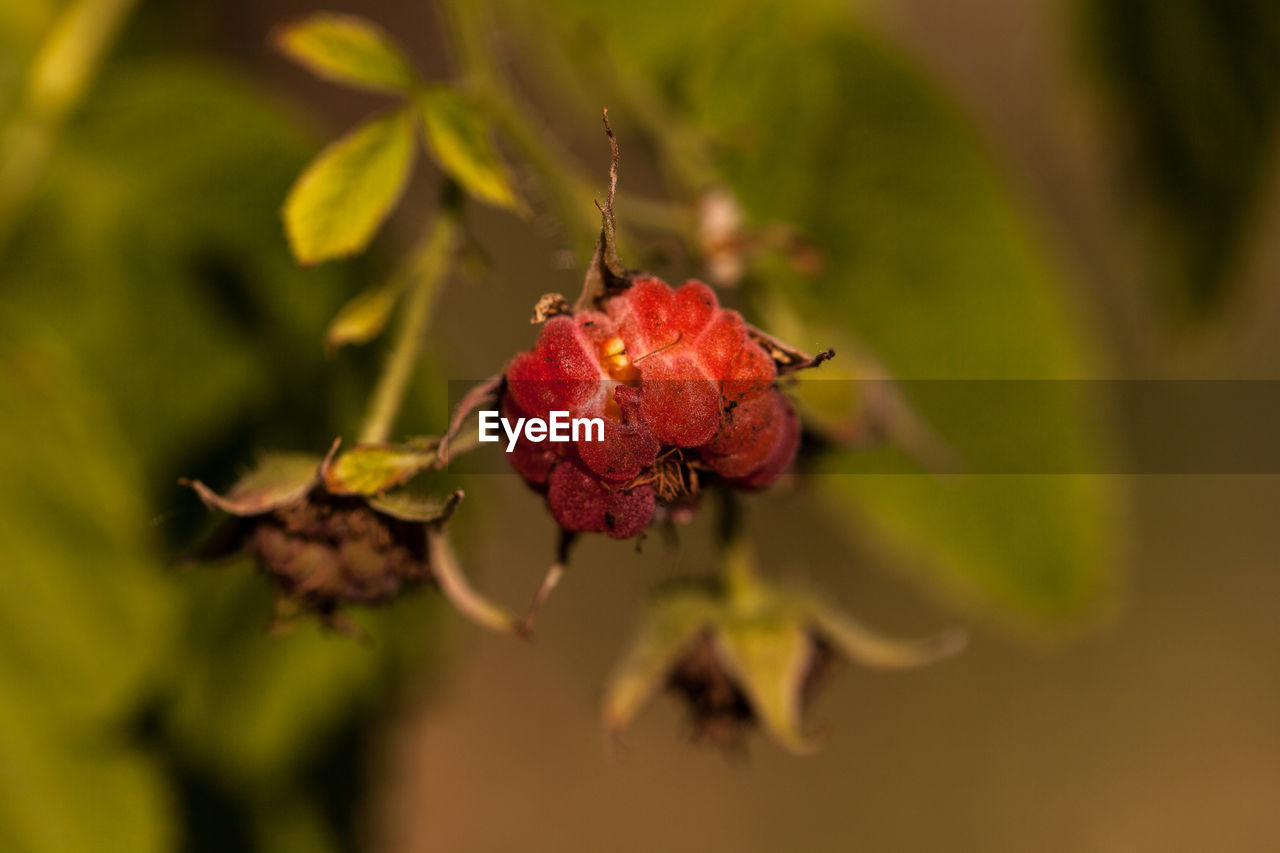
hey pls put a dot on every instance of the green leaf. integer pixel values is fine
(191, 335)
(364, 317)
(341, 199)
(347, 49)
(71, 790)
(187, 224)
(374, 468)
(458, 138)
(87, 598)
(86, 613)
(277, 480)
(932, 265)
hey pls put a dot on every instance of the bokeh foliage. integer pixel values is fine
(1197, 85)
(154, 320)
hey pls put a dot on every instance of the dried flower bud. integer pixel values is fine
(744, 652)
(326, 545)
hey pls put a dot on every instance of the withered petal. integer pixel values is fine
(455, 587)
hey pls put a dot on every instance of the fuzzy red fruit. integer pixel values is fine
(752, 372)
(721, 342)
(666, 370)
(783, 453)
(746, 437)
(628, 447)
(533, 461)
(645, 316)
(680, 404)
(581, 502)
(756, 442)
(562, 372)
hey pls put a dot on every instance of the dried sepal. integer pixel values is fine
(770, 659)
(869, 647)
(454, 586)
(277, 480)
(605, 273)
(672, 624)
(549, 305)
(748, 652)
(728, 246)
(407, 505)
(788, 358)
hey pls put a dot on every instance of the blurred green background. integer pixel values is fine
(993, 189)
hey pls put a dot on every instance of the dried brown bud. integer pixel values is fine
(746, 652)
(325, 550)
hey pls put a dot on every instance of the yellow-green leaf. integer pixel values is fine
(364, 317)
(370, 469)
(347, 49)
(769, 659)
(342, 198)
(871, 648)
(458, 138)
(277, 480)
(671, 625)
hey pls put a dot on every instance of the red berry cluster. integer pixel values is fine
(681, 387)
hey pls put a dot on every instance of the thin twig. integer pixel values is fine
(549, 581)
(483, 392)
(455, 587)
(431, 265)
(610, 223)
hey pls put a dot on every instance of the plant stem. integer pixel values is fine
(739, 574)
(564, 184)
(738, 570)
(428, 267)
(468, 24)
(58, 78)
